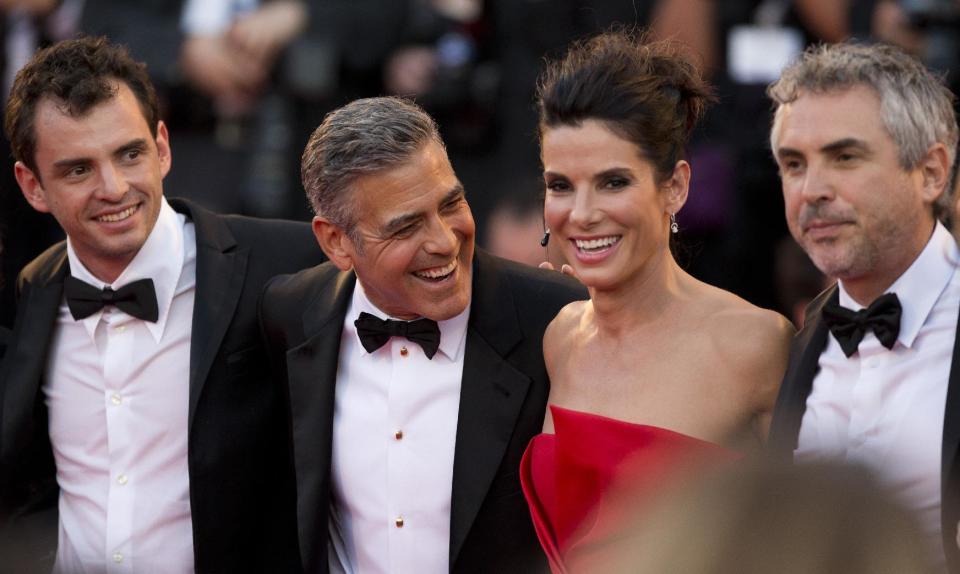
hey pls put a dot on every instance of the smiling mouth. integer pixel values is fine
(118, 216)
(596, 245)
(437, 274)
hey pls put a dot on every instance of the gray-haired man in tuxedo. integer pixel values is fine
(412, 360)
(865, 138)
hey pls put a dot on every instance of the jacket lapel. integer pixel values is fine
(491, 396)
(950, 474)
(26, 358)
(221, 268)
(798, 381)
(312, 379)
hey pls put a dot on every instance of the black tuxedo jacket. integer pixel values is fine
(241, 487)
(502, 401)
(4, 340)
(792, 402)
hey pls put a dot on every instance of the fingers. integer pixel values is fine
(565, 269)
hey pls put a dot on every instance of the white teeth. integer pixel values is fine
(114, 217)
(593, 244)
(437, 272)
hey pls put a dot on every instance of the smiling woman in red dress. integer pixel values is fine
(657, 370)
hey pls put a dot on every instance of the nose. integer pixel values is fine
(816, 185)
(113, 183)
(584, 212)
(442, 240)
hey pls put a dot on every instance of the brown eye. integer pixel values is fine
(558, 186)
(78, 171)
(617, 182)
(451, 206)
(791, 166)
(405, 231)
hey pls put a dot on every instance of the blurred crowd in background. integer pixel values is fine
(244, 82)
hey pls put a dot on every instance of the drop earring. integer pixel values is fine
(674, 228)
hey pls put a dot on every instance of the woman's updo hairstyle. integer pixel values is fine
(649, 93)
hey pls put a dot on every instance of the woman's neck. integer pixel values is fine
(642, 299)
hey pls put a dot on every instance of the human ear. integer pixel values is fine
(676, 187)
(334, 242)
(31, 187)
(163, 149)
(935, 169)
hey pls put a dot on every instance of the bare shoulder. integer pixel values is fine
(755, 340)
(561, 332)
(561, 329)
(753, 345)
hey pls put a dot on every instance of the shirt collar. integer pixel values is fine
(453, 331)
(160, 258)
(921, 284)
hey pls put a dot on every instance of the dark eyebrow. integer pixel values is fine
(621, 171)
(782, 152)
(70, 163)
(456, 192)
(401, 221)
(832, 147)
(845, 143)
(137, 144)
(614, 171)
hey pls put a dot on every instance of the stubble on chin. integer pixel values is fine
(843, 260)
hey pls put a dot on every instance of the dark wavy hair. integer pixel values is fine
(647, 92)
(77, 75)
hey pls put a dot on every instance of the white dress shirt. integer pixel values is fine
(117, 393)
(394, 435)
(885, 408)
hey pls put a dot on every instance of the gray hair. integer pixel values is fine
(364, 137)
(916, 108)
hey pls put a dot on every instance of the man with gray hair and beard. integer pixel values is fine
(865, 139)
(412, 361)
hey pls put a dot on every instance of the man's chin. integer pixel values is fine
(833, 268)
(447, 309)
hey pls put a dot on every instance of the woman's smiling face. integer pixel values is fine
(604, 203)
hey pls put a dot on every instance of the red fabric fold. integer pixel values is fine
(586, 481)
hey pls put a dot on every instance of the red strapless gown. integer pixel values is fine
(572, 479)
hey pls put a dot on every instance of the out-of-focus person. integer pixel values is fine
(231, 46)
(515, 229)
(757, 519)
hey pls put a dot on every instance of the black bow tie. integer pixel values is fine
(375, 332)
(137, 299)
(849, 327)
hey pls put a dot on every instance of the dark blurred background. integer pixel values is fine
(244, 82)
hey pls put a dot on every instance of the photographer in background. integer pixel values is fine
(927, 29)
